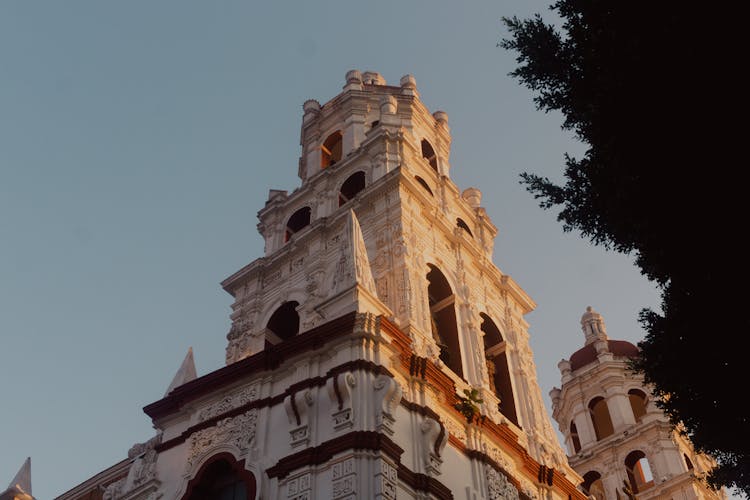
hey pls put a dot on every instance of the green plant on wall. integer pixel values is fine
(468, 405)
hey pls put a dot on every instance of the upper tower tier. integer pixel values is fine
(354, 140)
(333, 132)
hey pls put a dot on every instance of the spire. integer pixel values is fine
(592, 324)
(22, 481)
(185, 374)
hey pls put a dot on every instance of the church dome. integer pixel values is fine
(587, 354)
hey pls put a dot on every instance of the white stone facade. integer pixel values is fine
(375, 306)
(617, 438)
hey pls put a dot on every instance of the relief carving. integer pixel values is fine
(498, 486)
(143, 468)
(387, 397)
(237, 431)
(230, 402)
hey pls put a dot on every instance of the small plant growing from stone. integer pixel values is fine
(468, 405)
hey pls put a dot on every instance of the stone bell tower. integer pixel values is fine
(618, 439)
(378, 226)
(375, 349)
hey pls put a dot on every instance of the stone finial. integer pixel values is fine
(22, 480)
(311, 106)
(592, 324)
(441, 117)
(408, 82)
(409, 85)
(311, 109)
(353, 76)
(184, 374)
(564, 366)
(473, 196)
(554, 395)
(353, 80)
(388, 105)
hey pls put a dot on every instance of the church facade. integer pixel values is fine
(375, 351)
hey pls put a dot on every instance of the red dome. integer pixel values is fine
(587, 354)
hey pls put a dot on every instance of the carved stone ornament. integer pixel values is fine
(230, 402)
(112, 491)
(237, 431)
(498, 486)
(387, 397)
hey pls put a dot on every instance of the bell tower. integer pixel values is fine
(618, 439)
(378, 226)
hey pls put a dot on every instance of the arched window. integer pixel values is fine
(497, 367)
(298, 220)
(574, 437)
(460, 223)
(429, 154)
(600, 418)
(443, 315)
(639, 472)
(222, 478)
(351, 186)
(424, 184)
(284, 323)
(637, 403)
(330, 150)
(688, 463)
(592, 485)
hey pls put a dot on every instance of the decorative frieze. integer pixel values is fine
(229, 402)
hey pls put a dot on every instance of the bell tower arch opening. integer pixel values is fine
(331, 150)
(443, 317)
(600, 417)
(637, 403)
(283, 324)
(351, 186)
(639, 472)
(497, 366)
(428, 153)
(298, 220)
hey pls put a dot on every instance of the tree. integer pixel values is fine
(643, 86)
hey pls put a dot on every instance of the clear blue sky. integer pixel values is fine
(137, 142)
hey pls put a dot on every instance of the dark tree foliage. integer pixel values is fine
(643, 86)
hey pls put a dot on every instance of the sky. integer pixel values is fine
(139, 139)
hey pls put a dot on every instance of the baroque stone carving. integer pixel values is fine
(498, 486)
(230, 402)
(434, 439)
(344, 478)
(112, 491)
(237, 431)
(297, 411)
(340, 392)
(143, 468)
(386, 481)
(387, 397)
